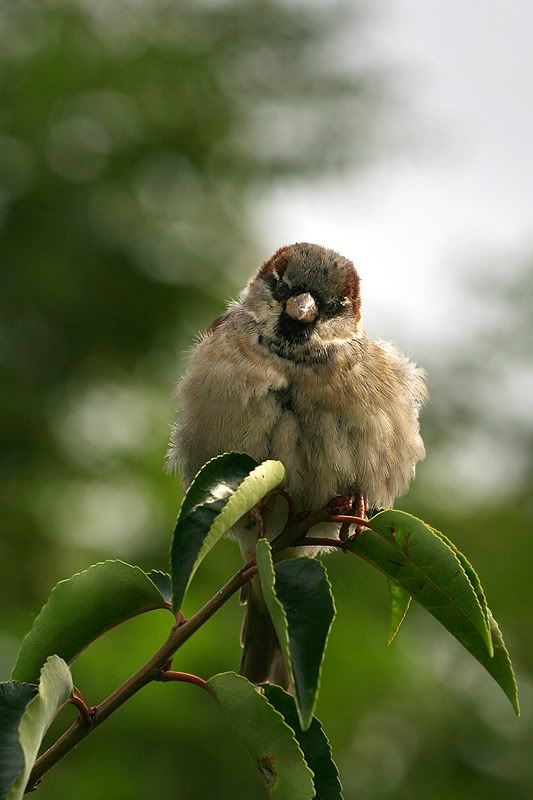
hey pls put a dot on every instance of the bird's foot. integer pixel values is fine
(340, 505)
(358, 507)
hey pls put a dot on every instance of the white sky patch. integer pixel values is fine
(424, 225)
(414, 223)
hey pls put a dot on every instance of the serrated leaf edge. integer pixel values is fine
(479, 593)
(326, 737)
(259, 691)
(514, 700)
(226, 518)
(326, 640)
(191, 487)
(470, 573)
(16, 790)
(164, 604)
(167, 603)
(285, 644)
(283, 635)
(486, 638)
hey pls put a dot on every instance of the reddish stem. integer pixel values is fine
(87, 713)
(363, 523)
(249, 571)
(183, 677)
(150, 671)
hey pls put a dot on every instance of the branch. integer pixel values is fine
(359, 521)
(168, 676)
(149, 672)
(295, 532)
(86, 712)
(293, 535)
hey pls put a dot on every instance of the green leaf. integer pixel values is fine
(55, 687)
(410, 553)
(499, 666)
(400, 600)
(268, 739)
(14, 697)
(163, 581)
(469, 571)
(298, 596)
(80, 609)
(314, 743)
(432, 570)
(224, 490)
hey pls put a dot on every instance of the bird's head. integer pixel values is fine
(304, 301)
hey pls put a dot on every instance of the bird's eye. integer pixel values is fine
(281, 290)
(333, 307)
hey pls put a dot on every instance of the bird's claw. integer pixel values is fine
(355, 505)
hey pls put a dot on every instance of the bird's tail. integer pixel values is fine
(262, 660)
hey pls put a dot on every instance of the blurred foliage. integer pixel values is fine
(128, 165)
(135, 138)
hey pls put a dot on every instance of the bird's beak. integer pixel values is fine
(302, 308)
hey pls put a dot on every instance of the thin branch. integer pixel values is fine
(294, 530)
(77, 700)
(150, 671)
(156, 668)
(292, 534)
(169, 676)
(359, 521)
(249, 571)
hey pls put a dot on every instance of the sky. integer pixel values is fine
(423, 217)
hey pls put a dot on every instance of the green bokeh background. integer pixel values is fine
(135, 141)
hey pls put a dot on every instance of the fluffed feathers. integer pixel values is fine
(288, 373)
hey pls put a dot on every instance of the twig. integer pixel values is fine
(87, 713)
(168, 676)
(291, 535)
(156, 668)
(151, 671)
(294, 531)
(359, 521)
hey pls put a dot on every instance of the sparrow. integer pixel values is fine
(288, 373)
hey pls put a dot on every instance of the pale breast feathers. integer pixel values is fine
(351, 425)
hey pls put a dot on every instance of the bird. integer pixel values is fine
(289, 373)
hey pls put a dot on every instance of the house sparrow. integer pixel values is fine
(288, 373)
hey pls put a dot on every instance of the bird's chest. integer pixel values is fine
(306, 433)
